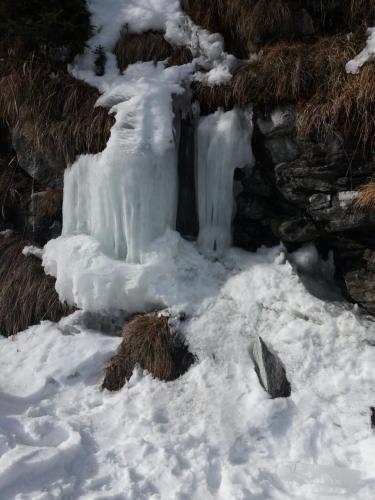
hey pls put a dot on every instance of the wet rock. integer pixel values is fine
(47, 170)
(45, 215)
(270, 370)
(298, 230)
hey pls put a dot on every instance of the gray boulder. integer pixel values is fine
(270, 370)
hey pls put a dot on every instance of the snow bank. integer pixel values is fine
(223, 143)
(214, 433)
(367, 54)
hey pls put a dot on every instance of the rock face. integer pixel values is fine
(270, 370)
(31, 204)
(302, 191)
(41, 167)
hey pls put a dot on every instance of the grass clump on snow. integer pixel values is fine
(149, 342)
(27, 294)
(148, 46)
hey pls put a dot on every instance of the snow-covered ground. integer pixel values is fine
(213, 433)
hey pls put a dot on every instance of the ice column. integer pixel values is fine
(126, 196)
(223, 143)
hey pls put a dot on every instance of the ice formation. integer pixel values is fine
(126, 196)
(223, 143)
(120, 201)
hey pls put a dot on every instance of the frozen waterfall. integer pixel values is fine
(223, 143)
(126, 196)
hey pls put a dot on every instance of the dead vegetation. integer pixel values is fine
(365, 199)
(54, 111)
(133, 48)
(27, 295)
(149, 342)
(261, 22)
(313, 76)
(148, 46)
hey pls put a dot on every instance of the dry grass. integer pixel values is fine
(365, 198)
(244, 23)
(180, 56)
(55, 111)
(340, 101)
(27, 295)
(149, 342)
(312, 75)
(149, 46)
(47, 203)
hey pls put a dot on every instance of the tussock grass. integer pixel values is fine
(149, 46)
(149, 342)
(365, 198)
(54, 110)
(27, 295)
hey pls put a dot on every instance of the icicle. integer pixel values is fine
(223, 143)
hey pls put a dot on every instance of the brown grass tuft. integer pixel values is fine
(55, 111)
(27, 295)
(149, 342)
(149, 46)
(180, 56)
(365, 198)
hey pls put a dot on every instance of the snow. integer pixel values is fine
(367, 54)
(34, 251)
(223, 143)
(214, 432)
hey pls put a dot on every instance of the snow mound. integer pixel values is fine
(213, 433)
(367, 54)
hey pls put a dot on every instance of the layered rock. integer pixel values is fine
(303, 191)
